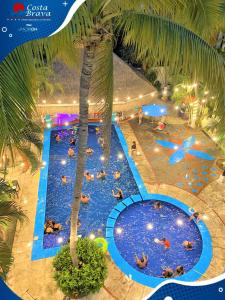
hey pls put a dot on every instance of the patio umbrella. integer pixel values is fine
(154, 110)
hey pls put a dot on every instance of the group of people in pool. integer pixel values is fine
(142, 261)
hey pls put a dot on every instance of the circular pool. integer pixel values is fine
(139, 226)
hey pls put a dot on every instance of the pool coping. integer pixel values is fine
(195, 273)
(38, 251)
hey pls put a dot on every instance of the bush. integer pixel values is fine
(88, 277)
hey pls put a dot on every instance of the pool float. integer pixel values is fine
(102, 243)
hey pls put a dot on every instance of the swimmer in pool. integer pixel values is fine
(157, 205)
(118, 195)
(70, 152)
(57, 138)
(116, 175)
(165, 243)
(88, 176)
(167, 273)
(188, 245)
(89, 151)
(72, 141)
(195, 216)
(141, 262)
(101, 175)
(64, 179)
(179, 271)
(85, 199)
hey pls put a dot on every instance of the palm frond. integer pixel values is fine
(178, 48)
(30, 156)
(6, 259)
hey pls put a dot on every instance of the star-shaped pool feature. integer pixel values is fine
(183, 149)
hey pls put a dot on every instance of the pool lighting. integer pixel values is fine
(92, 236)
(66, 123)
(74, 102)
(136, 163)
(29, 244)
(138, 153)
(156, 240)
(212, 97)
(119, 230)
(140, 96)
(164, 92)
(176, 107)
(152, 94)
(60, 240)
(195, 84)
(149, 226)
(146, 113)
(180, 222)
(128, 98)
(116, 99)
(63, 162)
(102, 158)
(120, 156)
(203, 100)
(156, 150)
(48, 126)
(22, 164)
(101, 121)
(197, 142)
(162, 110)
(25, 201)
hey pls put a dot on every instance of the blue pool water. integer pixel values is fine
(59, 197)
(136, 238)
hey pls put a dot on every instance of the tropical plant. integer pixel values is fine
(10, 212)
(88, 277)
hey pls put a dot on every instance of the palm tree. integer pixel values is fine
(10, 213)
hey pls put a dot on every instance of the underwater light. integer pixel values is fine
(48, 126)
(146, 113)
(180, 222)
(63, 162)
(149, 226)
(102, 158)
(120, 156)
(66, 123)
(60, 240)
(205, 217)
(92, 236)
(119, 230)
(156, 240)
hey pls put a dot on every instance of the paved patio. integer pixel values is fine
(33, 279)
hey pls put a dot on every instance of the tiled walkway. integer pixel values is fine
(33, 279)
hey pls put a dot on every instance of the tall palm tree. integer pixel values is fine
(10, 212)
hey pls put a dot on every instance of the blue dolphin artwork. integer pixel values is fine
(183, 149)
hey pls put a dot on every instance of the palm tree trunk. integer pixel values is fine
(85, 82)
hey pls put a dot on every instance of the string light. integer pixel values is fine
(44, 101)
(164, 92)
(203, 100)
(195, 84)
(140, 96)
(176, 107)
(156, 150)
(206, 92)
(176, 89)
(132, 116)
(128, 98)
(59, 101)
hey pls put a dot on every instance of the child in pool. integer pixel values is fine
(141, 262)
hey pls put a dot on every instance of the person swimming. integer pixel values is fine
(179, 271)
(141, 262)
(116, 175)
(88, 176)
(51, 226)
(101, 175)
(85, 199)
(57, 138)
(118, 195)
(89, 151)
(64, 179)
(71, 152)
(188, 245)
(167, 273)
(157, 205)
(165, 243)
(72, 141)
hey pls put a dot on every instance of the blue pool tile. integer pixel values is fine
(110, 222)
(109, 232)
(114, 214)
(204, 173)
(136, 198)
(127, 201)
(120, 206)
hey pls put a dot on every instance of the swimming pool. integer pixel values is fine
(55, 199)
(134, 226)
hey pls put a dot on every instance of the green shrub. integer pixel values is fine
(83, 280)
